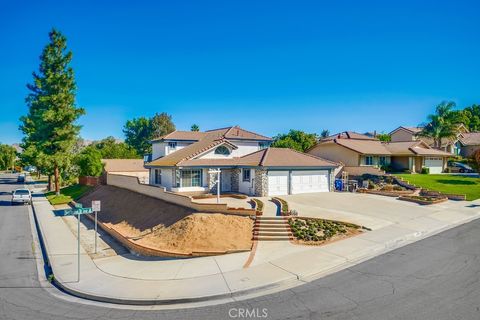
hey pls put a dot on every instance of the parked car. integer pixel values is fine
(21, 178)
(21, 196)
(460, 167)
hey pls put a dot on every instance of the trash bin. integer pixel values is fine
(338, 185)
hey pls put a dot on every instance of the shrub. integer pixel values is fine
(259, 205)
(285, 211)
(425, 170)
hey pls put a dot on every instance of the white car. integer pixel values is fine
(21, 196)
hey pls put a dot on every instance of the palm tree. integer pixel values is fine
(441, 125)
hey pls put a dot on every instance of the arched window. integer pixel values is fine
(222, 150)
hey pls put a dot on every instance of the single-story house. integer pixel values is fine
(356, 151)
(186, 161)
(126, 167)
(469, 143)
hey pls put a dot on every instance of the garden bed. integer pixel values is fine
(423, 200)
(284, 211)
(225, 195)
(314, 231)
(258, 206)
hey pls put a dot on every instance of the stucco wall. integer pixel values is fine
(143, 176)
(334, 152)
(402, 135)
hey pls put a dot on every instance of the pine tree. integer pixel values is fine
(50, 127)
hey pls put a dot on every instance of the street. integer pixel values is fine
(436, 278)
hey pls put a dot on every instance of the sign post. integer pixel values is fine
(96, 209)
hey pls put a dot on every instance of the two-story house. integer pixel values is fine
(188, 161)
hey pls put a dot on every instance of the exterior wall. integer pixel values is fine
(246, 187)
(418, 164)
(400, 162)
(261, 183)
(236, 178)
(161, 149)
(334, 152)
(402, 135)
(468, 151)
(244, 148)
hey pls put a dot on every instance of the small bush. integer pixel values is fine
(425, 170)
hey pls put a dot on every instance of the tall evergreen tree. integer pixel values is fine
(50, 127)
(194, 127)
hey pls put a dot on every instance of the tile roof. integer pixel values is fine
(374, 147)
(236, 132)
(182, 135)
(269, 157)
(349, 135)
(123, 165)
(470, 139)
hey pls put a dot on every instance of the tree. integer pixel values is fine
(7, 156)
(295, 139)
(194, 127)
(162, 124)
(442, 125)
(50, 128)
(138, 133)
(325, 133)
(472, 116)
(385, 137)
(89, 162)
(110, 148)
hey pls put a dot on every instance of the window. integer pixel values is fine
(222, 150)
(191, 178)
(383, 161)
(172, 145)
(263, 145)
(158, 176)
(368, 160)
(246, 175)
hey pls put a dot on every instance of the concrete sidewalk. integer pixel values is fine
(129, 279)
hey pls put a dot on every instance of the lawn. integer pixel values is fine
(470, 186)
(67, 194)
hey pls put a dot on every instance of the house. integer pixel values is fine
(469, 143)
(186, 161)
(360, 154)
(452, 145)
(126, 167)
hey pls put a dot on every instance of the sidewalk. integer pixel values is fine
(129, 279)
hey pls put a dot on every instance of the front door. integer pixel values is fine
(225, 181)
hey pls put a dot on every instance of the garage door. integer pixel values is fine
(309, 181)
(277, 183)
(434, 164)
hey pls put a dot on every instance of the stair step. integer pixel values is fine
(270, 229)
(272, 238)
(271, 218)
(280, 234)
(271, 222)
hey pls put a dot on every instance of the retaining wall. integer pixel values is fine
(133, 184)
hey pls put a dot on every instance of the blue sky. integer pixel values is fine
(267, 66)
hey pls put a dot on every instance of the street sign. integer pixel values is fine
(83, 211)
(96, 205)
(78, 205)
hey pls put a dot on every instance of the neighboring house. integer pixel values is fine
(359, 153)
(469, 143)
(452, 146)
(127, 167)
(183, 161)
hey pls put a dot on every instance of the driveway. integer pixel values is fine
(371, 211)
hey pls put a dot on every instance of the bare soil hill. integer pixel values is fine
(168, 227)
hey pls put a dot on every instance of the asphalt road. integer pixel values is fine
(436, 278)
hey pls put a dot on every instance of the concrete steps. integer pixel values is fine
(272, 229)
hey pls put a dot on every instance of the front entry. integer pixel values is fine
(226, 181)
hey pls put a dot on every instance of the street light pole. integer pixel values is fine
(78, 247)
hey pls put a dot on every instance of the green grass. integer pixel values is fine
(67, 194)
(469, 186)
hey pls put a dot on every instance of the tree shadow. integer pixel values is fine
(456, 182)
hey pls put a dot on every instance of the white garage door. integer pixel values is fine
(434, 164)
(277, 183)
(309, 181)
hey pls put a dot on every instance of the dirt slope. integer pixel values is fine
(168, 227)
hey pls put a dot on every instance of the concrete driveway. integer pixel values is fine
(371, 211)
